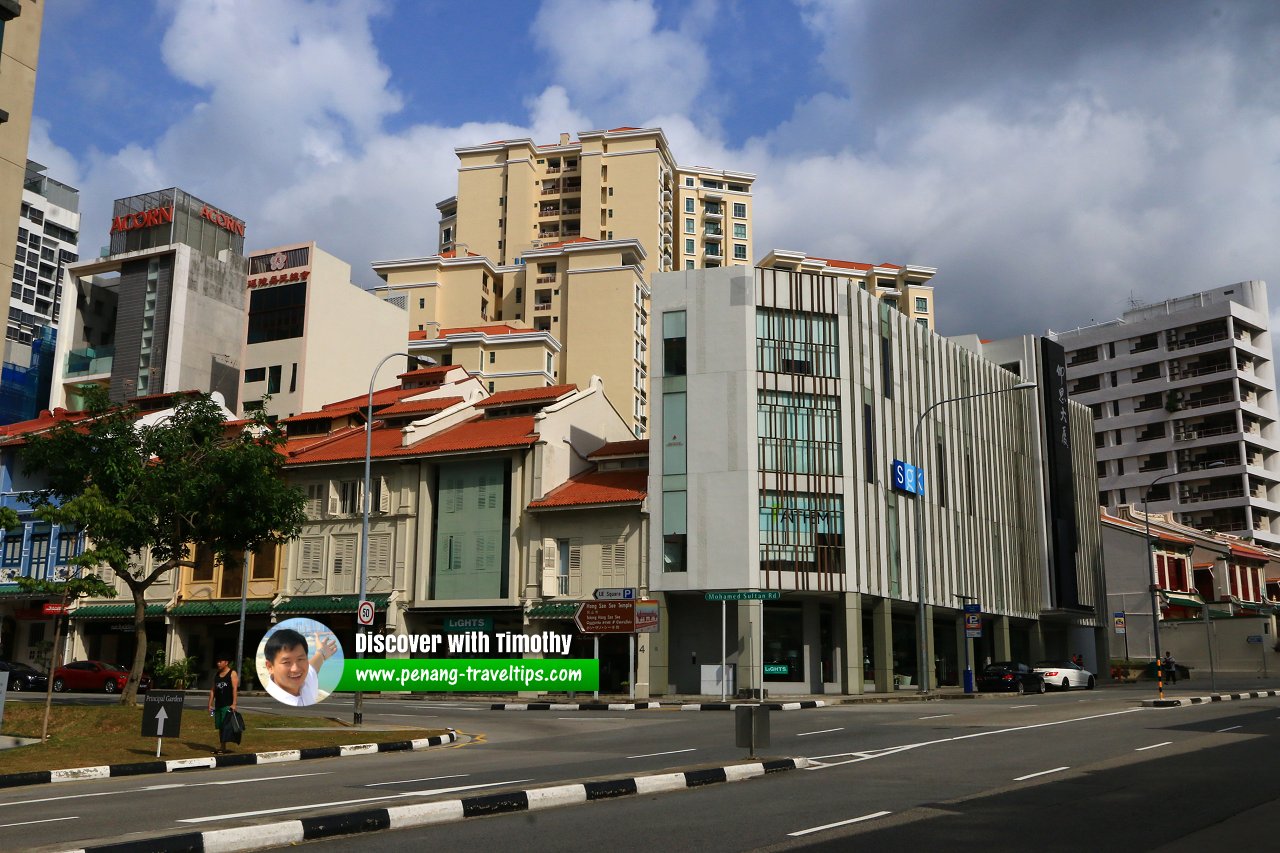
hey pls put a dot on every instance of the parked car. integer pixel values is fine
(95, 675)
(1010, 677)
(24, 676)
(1063, 674)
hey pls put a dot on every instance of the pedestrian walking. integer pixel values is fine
(1170, 667)
(223, 697)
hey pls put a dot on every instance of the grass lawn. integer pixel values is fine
(89, 735)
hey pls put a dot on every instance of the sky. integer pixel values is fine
(1057, 162)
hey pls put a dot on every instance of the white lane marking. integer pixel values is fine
(425, 779)
(880, 753)
(162, 787)
(594, 719)
(935, 717)
(1230, 728)
(349, 802)
(1015, 707)
(871, 816)
(655, 754)
(822, 732)
(1153, 746)
(46, 820)
(1041, 773)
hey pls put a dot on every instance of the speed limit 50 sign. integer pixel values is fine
(364, 613)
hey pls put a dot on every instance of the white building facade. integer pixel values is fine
(786, 404)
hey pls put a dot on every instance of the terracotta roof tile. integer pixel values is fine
(596, 487)
(419, 335)
(424, 372)
(634, 447)
(496, 329)
(476, 434)
(418, 407)
(568, 242)
(526, 395)
(1249, 553)
(323, 414)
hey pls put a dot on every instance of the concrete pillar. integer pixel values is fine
(812, 646)
(1037, 644)
(882, 625)
(928, 678)
(851, 650)
(1000, 628)
(659, 646)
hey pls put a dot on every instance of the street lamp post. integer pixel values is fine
(358, 716)
(1151, 568)
(924, 669)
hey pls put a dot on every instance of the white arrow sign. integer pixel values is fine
(161, 716)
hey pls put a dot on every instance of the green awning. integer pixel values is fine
(221, 607)
(1177, 599)
(329, 603)
(554, 610)
(115, 611)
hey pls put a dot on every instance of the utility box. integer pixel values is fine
(752, 725)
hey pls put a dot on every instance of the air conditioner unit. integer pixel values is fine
(550, 568)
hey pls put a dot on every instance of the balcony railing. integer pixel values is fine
(90, 361)
(1209, 401)
(542, 306)
(546, 279)
(1188, 343)
(1207, 432)
(1201, 497)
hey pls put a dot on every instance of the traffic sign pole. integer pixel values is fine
(724, 644)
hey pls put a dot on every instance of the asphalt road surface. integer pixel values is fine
(1055, 772)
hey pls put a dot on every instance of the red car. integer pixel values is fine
(95, 675)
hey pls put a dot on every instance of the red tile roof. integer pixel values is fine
(635, 447)
(495, 329)
(424, 372)
(476, 434)
(620, 129)
(45, 420)
(382, 397)
(848, 265)
(323, 414)
(595, 488)
(526, 395)
(418, 407)
(453, 253)
(419, 335)
(1248, 553)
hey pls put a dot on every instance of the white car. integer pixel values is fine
(1063, 674)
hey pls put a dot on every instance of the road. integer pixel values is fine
(922, 773)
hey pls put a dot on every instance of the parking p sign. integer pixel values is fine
(364, 613)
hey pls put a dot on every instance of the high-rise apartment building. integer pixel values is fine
(1183, 392)
(48, 238)
(163, 312)
(564, 239)
(515, 195)
(20, 23)
(907, 288)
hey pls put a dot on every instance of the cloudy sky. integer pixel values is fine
(1054, 160)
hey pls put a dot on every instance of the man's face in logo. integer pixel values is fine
(289, 669)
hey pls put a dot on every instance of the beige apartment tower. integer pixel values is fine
(563, 239)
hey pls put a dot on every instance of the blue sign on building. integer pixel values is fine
(908, 478)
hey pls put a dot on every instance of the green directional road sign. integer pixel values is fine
(745, 595)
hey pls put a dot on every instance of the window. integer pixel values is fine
(922, 322)
(349, 497)
(422, 303)
(688, 265)
(39, 552)
(314, 507)
(688, 247)
(255, 374)
(203, 569)
(740, 209)
(688, 205)
(689, 226)
(739, 231)
(688, 182)
(673, 343)
(277, 313)
(492, 356)
(674, 535)
(740, 251)
(68, 547)
(265, 559)
(273, 379)
(922, 304)
(293, 379)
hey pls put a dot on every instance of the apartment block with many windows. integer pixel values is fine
(1183, 391)
(907, 288)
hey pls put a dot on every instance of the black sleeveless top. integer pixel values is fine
(222, 692)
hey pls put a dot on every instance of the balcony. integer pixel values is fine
(1188, 343)
(573, 187)
(542, 306)
(90, 361)
(713, 213)
(546, 279)
(549, 211)
(553, 170)
(551, 188)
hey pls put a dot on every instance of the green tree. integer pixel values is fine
(158, 488)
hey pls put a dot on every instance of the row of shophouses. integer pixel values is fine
(790, 415)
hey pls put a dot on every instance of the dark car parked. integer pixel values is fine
(1010, 677)
(95, 675)
(24, 676)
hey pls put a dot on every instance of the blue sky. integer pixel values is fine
(1057, 159)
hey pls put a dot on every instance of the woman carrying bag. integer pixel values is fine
(223, 697)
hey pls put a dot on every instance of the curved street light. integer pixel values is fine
(1151, 565)
(358, 715)
(923, 667)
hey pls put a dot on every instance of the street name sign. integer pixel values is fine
(616, 593)
(162, 713)
(745, 595)
(606, 617)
